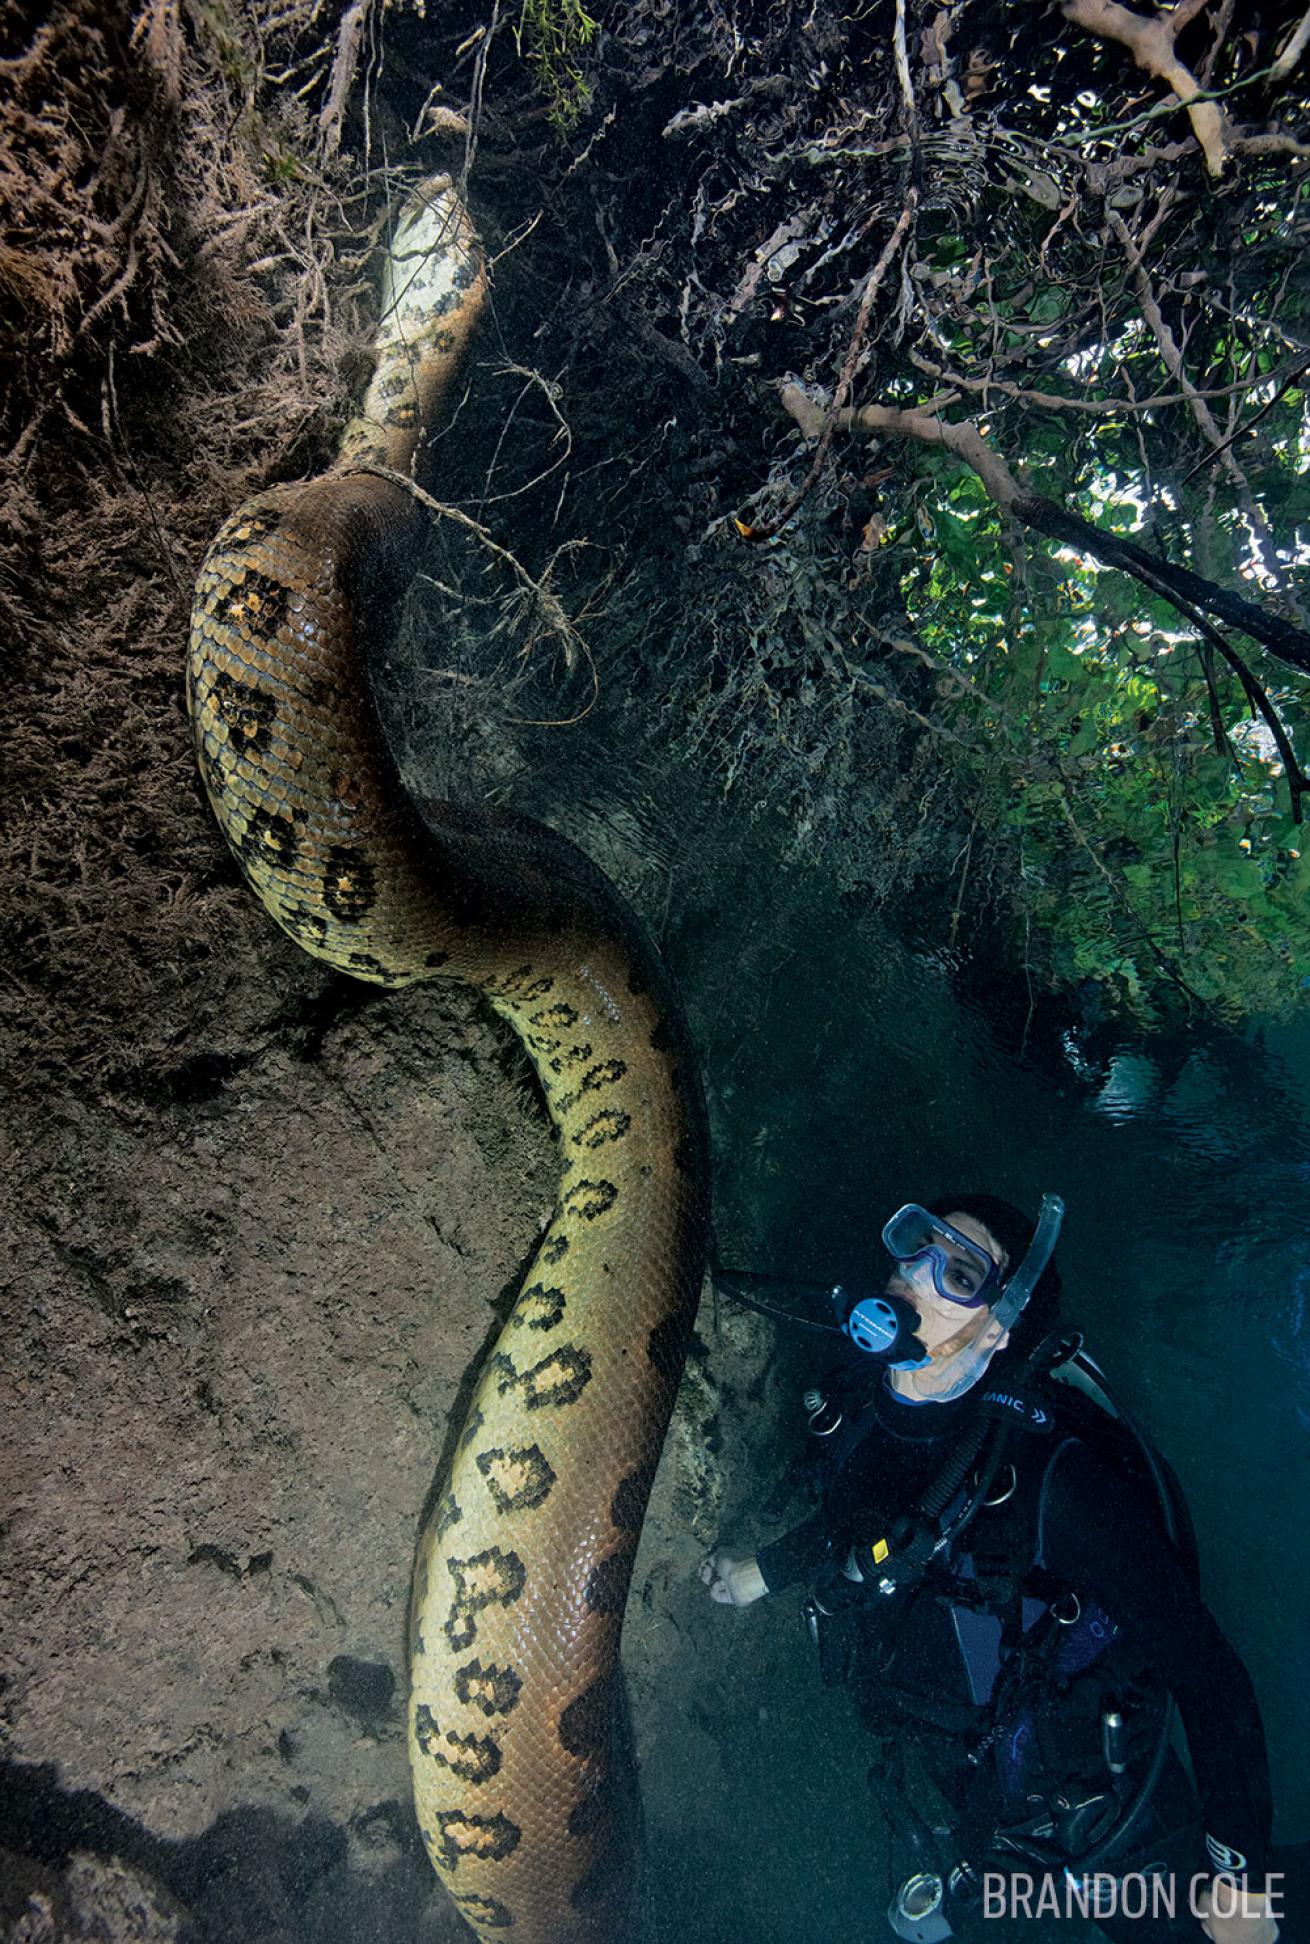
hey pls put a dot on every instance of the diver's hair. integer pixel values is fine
(1014, 1231)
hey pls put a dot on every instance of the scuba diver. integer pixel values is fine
(1003, 1572)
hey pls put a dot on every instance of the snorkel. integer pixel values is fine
(967, 1361)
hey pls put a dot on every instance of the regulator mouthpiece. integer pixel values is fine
(882, 1326)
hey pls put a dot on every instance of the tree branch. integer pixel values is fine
(344, 63)
(1261, 537)
(1177, 584)
(765, 530)
(1297, 780)
(1295, 48)
(1151, 44)
(1106, 407)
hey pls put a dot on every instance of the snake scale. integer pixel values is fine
(523, 1567)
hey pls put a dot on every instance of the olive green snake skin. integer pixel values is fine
(523, 1568)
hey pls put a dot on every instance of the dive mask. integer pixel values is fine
(962, 1270)
(962, 1370)
(964, 1273)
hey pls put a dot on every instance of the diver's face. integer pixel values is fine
(940, 1319)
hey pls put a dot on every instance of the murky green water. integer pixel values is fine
(848, 1074)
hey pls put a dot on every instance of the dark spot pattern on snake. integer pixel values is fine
(306, 926)
(519, 1480)
(557, 1018)
(606, 1073)
(610, 1125)
(554, 1249)
(448, 1514)
(628, 1506)
(491, 1578)
(488, 1912)
(666, 1344)
(494, 1690)
(584, 1725)
(539, 1308)
(349, 884)
(248, 712)
(256, 605)
(365, 962)
(505, 985)
(492, 1838)
(557, 1380)
(474, 1757)
(270, 839)
(607, 1584)
(345, 793)
(574, 1057)
(588, 1199)
(253, 523)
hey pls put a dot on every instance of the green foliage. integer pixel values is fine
(1131, 339)
(555, 34)
(1135, 809)
(1147, 804)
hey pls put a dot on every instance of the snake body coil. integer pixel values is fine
(523, 1568)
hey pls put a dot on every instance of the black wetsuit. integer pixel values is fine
(973, 1660)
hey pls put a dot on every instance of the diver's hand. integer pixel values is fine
(1230, 1915)
(734, 1578)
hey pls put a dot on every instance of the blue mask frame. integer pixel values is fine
(914, 1234)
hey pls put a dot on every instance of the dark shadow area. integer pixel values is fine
(252, 1875)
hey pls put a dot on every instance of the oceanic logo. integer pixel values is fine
(1019, 1405)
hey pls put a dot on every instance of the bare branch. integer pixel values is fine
(1297, 781)
(876, 275)
(344, 64)
(554, 619)
(1285, 385)
(1257, 524)
(961, 437)
(1151, 44)
(1103, 407)
(1295, 48)
(1177, 584)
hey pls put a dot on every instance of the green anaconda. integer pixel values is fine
(523, 1568)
